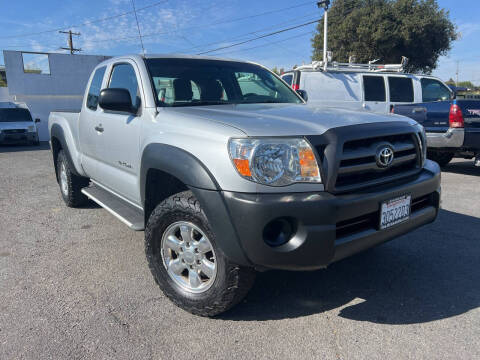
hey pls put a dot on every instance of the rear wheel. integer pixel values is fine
(70, 184)
(442, 158)
(186, 263)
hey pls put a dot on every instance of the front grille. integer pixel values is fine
(358, 167)
(15, 131)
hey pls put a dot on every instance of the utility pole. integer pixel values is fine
(324, 4)
(70, 41)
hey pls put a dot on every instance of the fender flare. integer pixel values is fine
(178, 163)
(57, 132)
(194, 174)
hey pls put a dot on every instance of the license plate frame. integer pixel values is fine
(395, 211)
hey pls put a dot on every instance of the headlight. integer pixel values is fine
(275, 162)
(31, 128)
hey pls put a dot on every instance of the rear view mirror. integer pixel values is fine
(37, 120)
(116, 99)
(303, 94)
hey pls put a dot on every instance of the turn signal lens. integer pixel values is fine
(308, 163)
(243, 167)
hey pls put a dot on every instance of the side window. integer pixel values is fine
(401, 89)
(434, 90)
(95, 87)
(288, 79)
(374, 88)
(123, 76)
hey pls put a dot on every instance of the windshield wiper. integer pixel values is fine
(202, 103)
(269, 101)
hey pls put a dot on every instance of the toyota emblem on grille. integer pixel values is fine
(384, 156)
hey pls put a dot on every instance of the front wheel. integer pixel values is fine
(186, 262)
(442, 158)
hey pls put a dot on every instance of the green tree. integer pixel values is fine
(387, 30)
(450, 82)
(467, 84)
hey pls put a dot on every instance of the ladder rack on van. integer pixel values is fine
(354, 67)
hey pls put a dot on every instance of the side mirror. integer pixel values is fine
(37, 120)
(116, 99)
(303, 94)
(453, 95)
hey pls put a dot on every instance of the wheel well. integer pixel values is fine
(159, 186)
(56, 147)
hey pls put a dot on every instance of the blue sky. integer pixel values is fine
(193, 26)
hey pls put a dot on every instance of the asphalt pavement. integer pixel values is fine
(74, 284)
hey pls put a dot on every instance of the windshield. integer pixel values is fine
(15, 115)
(195, 82)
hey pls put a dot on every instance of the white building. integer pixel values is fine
(46, 82)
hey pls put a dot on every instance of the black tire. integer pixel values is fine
(73, 196)
(442, 158)
(232, 282)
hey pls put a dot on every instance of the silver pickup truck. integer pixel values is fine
(228, 171)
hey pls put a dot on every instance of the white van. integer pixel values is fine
(373, 90)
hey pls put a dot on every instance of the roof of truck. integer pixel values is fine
(185, 56)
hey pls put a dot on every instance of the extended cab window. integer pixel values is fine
(374, 88)
(401, 89)
(124, 77)
(434, 90)
(95, 87)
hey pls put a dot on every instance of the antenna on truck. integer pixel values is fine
(325, 4)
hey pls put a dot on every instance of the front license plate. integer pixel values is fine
(395, 211)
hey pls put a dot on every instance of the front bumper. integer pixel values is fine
(328, 227)
(15, 138)
(452, 138)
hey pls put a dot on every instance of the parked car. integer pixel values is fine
(374, 89)
(241, 177)
(452, 126)
(17, 126)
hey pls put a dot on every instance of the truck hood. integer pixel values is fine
(283, 119)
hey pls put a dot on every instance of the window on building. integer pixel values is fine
(434, 90)
(374, 88)
(36, 63)
(95, 87)
(401, 89)
(124, 77)
(3, 77)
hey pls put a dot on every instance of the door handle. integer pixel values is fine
(99, 128)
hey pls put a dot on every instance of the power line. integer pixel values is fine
(268, 44)
(242, 36)
(210, 25)
(138, 28)
(83, 24)
(259, 37)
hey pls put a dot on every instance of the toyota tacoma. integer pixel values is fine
(230, 172)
